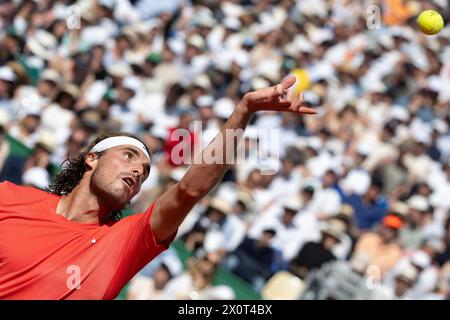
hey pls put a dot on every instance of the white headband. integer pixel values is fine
(118, 141)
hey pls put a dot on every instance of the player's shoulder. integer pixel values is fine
(9, 190)
(6, 185)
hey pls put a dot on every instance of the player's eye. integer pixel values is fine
(127, 155)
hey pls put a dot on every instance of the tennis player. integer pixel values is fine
(71, 243)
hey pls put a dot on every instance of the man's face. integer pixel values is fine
(4, 88)
(46, 88)
(118, 175)
(401, 286)
(388, 234)
(31, 123)
(414, 216)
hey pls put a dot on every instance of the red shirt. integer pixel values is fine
(45, 256)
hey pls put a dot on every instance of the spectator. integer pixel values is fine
(420, 223)
(404, 281)
(382, 246)
(313, 255)
(254, 260)
(194, 284)
(289, 237)
(152, 288)
(427, 274)
(369, 208)
(16, 166)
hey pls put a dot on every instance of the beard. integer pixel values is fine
(110, 191)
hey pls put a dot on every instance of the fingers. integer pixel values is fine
(306, 110)
(288, 82)
(297, 102)
(300, 107)
(281, 90)
(277, 91)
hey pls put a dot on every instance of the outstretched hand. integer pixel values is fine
(277, 98)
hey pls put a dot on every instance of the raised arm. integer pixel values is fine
(173, 206)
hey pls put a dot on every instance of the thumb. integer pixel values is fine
(288, 82)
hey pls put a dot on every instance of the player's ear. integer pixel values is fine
(91, 160)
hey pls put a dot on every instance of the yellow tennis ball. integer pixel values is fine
(303, 81)
(430, 22)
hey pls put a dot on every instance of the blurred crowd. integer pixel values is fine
(359, 203)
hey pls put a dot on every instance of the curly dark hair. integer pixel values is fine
(72, 170)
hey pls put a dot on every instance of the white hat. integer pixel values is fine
(42, 44)
(269, 165)
(173, 264)
(202, 81)
(224, 107)
(385, 39)
(177, 45)
(440, 126)
(399, 208)
(269, 68)
(205, 20)
(314, 142)
(134, 57)
(145, 26)
(419, 203)
(7, 74)
(119, 70)
(292, 203)
(132, 83)
(357, 181)
(94, 35)
(422, 136)
(231, 9)
(196, 41)
(232, 23)
(221, 205)
(319, 35)
(435, 243)
(205, 101)
(399, 113)
(302, 44)
(241, 58)
(408, 274)
(402, 32)
(334, 228)
(421, 259)
(37, 177)
(214, 240)
(259, 83)
(159, 132)
(363, 149)
(51, 75)
(47, 140)
(71, 90)
(375, 86)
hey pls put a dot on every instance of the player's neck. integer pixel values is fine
(82, 206)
